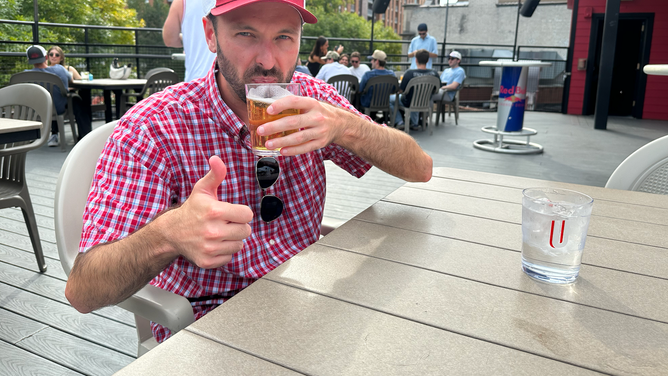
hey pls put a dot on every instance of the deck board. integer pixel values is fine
(19, 362)
(113, 335)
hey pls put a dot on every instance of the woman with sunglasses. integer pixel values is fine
(315, 60)
(56, 56)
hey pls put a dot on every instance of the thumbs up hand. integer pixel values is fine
(204, 230)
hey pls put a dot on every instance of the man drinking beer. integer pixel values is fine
(178, 198)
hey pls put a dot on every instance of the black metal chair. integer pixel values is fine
(50, 82)
(421, 90)
(346, 84)
(383, 87)
(156, 82)
(23, 102)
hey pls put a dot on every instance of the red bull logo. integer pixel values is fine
(512, 90)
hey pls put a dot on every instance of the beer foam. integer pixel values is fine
(267, 94)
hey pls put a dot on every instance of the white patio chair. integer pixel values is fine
(148, 304)
(23, 102)
(50, 82)
(421, 90)
(645, 170)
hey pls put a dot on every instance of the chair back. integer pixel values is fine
(422, 88)
(157, 70)
(382, 87)
(76, 176)
(345, 84)
(72, 190)
(645, 170)
(49, 81)
(159, 81)
(25, 102)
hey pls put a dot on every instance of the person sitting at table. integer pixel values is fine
(57, 56)
(175, 201)
(315, 60)
(421, 59)
(344, 60)
(451, 78)
(301, 68)
(356, 68)
(37, 57)
(332, 67)
(378, 64)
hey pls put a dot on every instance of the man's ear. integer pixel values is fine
(209, 34)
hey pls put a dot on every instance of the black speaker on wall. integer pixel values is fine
(528, 7)
(380, 6)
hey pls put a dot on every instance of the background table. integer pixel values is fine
(428, 281)
(656, 69)
(108, 85)
(12, 130)
(510, 110)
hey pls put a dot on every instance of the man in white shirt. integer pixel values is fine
(332, 67)
(357, 69)
(184, 28)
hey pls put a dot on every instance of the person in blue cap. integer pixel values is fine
(422, 41)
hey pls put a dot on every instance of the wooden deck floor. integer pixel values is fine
(41, 334)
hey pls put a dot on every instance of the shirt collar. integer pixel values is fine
(222, 113)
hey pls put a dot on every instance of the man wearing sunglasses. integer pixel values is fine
(356, 67)
(452, 77)
(422, 41)
(177, 198)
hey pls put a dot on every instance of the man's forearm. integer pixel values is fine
(390, 150)
(110, 273)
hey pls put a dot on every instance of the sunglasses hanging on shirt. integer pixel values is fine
(267, 172)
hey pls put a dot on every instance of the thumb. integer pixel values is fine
(210, 182)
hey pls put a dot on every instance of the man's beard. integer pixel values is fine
(237, 83)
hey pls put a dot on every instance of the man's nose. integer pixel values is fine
(265, 56)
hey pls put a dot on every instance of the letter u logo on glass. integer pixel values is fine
(558, 234)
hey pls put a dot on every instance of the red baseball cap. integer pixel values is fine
(224, 6)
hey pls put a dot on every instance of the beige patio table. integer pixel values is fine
(656, 69)
(428, 281)
(14, 130)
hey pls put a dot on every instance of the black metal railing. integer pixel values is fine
(148, 51)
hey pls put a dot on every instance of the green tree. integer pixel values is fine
(152, 15)
(83, 12)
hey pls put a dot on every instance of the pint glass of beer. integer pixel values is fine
(258, 98)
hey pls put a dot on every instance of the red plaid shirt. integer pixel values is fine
(160, 149)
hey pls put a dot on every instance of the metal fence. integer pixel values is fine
(149, 52)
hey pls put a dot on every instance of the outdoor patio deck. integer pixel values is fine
(41, 334)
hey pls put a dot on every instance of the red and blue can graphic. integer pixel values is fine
(512, 96)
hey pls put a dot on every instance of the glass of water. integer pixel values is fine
(554, 230)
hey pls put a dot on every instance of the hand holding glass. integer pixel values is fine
(258, 98)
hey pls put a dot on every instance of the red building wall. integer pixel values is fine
(656, 92)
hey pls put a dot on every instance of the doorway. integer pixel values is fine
(627, 94)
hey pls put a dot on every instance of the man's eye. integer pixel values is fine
(285, 37)
(245, 34)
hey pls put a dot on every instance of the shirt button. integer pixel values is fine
(272, 242)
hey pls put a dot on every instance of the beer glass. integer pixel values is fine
(258, 98)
